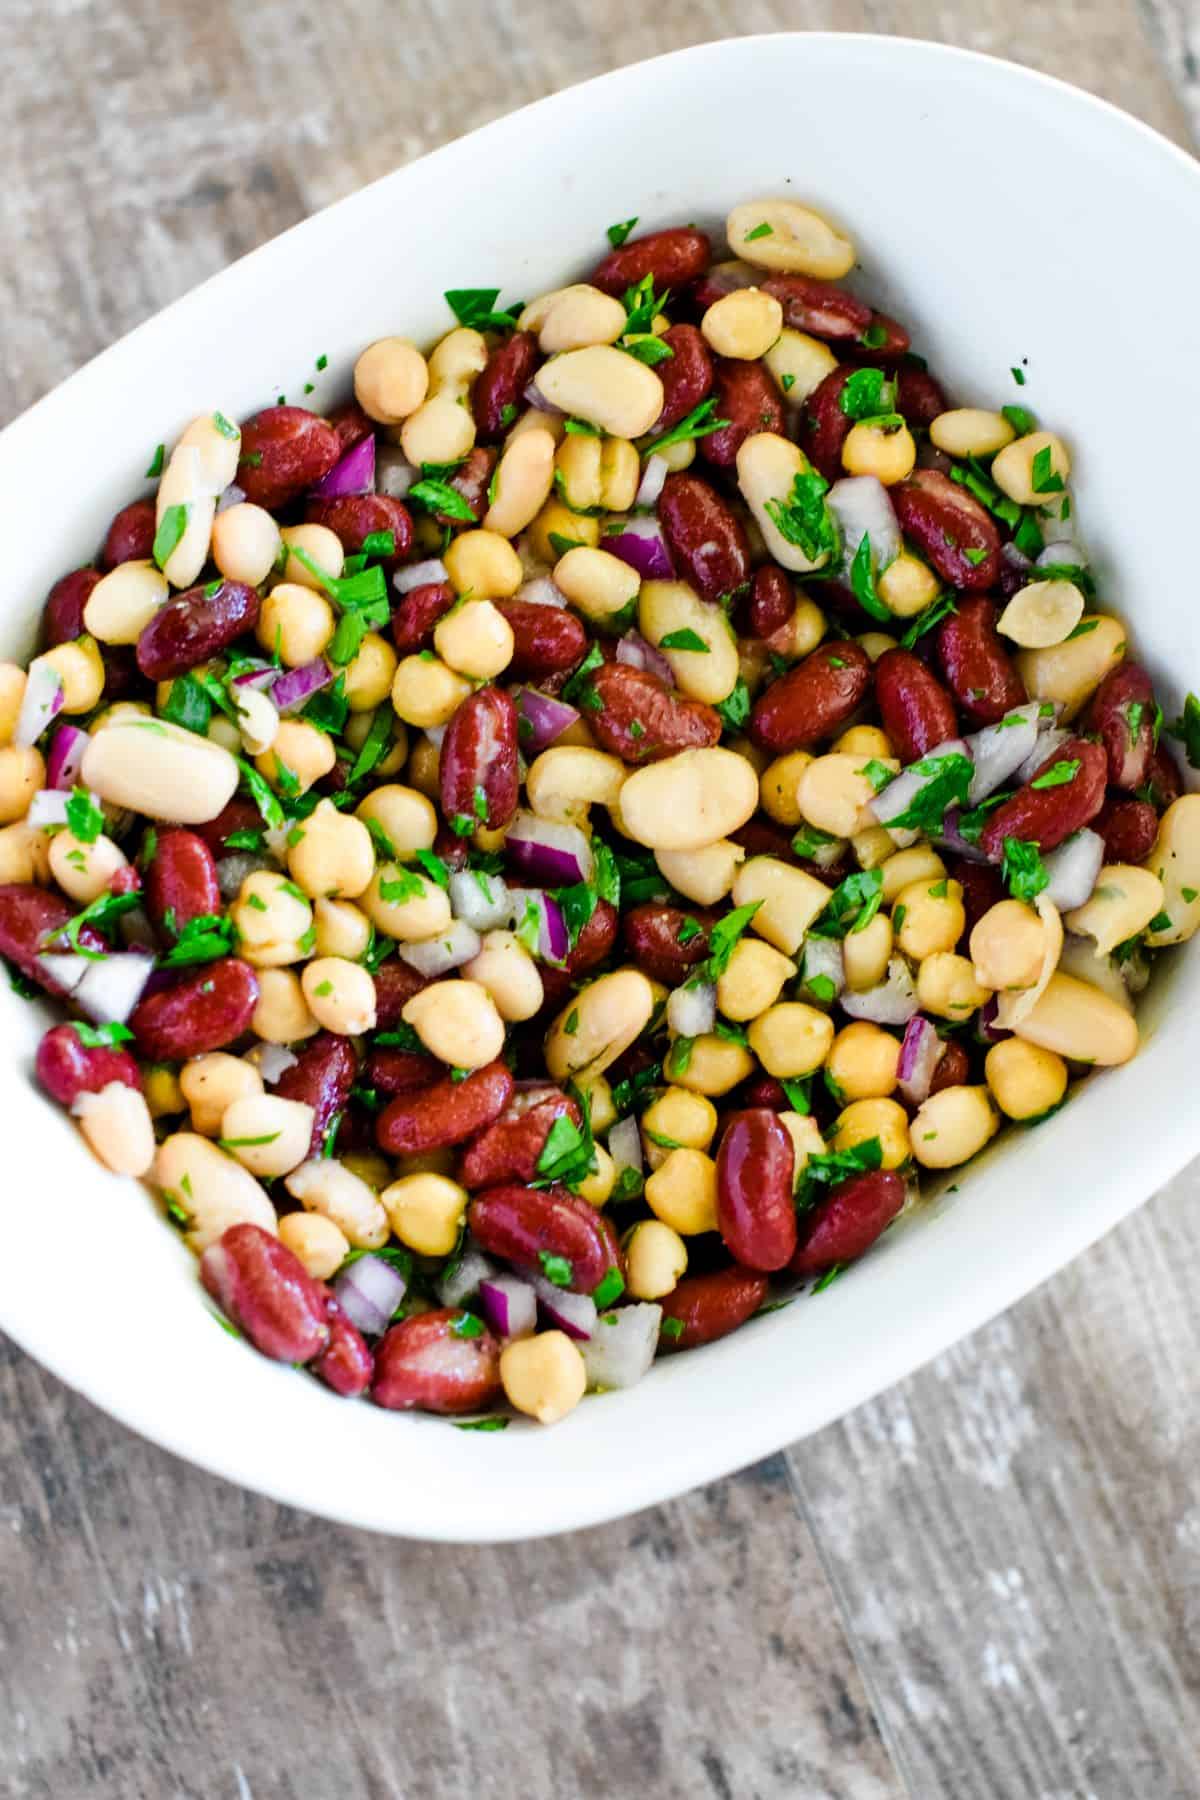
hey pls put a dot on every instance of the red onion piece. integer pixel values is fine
(533, 396)
(112, 986)
(653, 480)
(291, 689)
(65, 756)
(64, 968)
(893, 1001)
(419, 574)
(823, 961)
(466, 1277)
(634, 650)
(622, 1346)
(548, 854)
(1016, 559)
(573, 1313)
(899, 794)
(42, 700)
(369, 1292)
(394, 474)
(480, 901)
(862, 507)
(999, 750)
(353, 473)
(950, 838)
(260, 677)
(232, 496)
(692, 1011)
(541, 591)
(547, 717)
(450, 949)
(1073, 869)
(273, 1061)
(641, 544)
(1049, 740)
(625, 1144)
(920, 1053)
(554, 940)
(48, 807)
(509, 1305)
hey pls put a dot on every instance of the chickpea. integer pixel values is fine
(689, 800)
(458, 1022)
(706, 875)
(907, 586)
(164, 1096)
(328, 1187)
(12, 693)
(799, 364)
(1025, 1079)
(667, 608)
(369, 674)
(599, 1024)
(970, 431)
(833, 792)
(332, 854)
(863, 1061)
(281, 1014)
(405, 905)
(612, 391)
(598, 585)
(952, 1126)
(509, 974)
(889, 452)
(863, 1120)
(1008, 946)
(268, 1135)
(872, 847)
(802, 633)
(426, 692)
(423, 769)
(597, 1186)
(866, 954)
(779, 787)
(475, 639)
(1070, 673)
(426, 1212)
(656, 1257)
(84, 871)
(753, 979)
(390, 380)
(320, 546)
(947, 988)
(875, 643)
(320, 1244)
(713, 1065)
(246, 543)
(342, 928)
(296, 622)
(273, 920)
(806, 1139)
(558, 529)
(790, 900)
(340, 995)
(543, 1375)
(1032, 467)
(22, 774)
(483, 564)
(124, 601)
(24, 855)
(80, 668)
(920, 863)
(593, 472)
(401, 815)
(299, 756)
(800, 240)
(791, 1039)
(677, 1119)
(743, 324)
(210, 1085)
(933, 917)
(370, 1166)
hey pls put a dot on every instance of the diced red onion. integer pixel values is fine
(509, 1305)
(394, 474)
(634, 650)
(623, 1345)
(547, 716)
(573, 1313)
(1073, 869)
(534, 397)
(554, 940)
(862, 507)
(369, 1292)
(893, 1001)
(541, 591)
(64, 968)
(448, 950)
(273, 1061)
(65, 756)
(999, 750)
(641, 544)
(920, 1053)
(654, 476)
(625, 1144)
(112, 986)
(1048, 742)
(899, 794)
(48, 807)
(988, 1031)
(692, 1011)
(480, 901)
(465, 1278)
(257, 678)
(548, 854)
(1016, 559)
(232, 870)
(232, 496)
(419, 574)
(291, 689)
(823, 961)
(352, 473)
(950, 838)
(42, 700)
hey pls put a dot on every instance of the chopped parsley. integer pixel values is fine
(1023, 870)
(851, 907)
(948, 781)
(101, 1037)
(171, 528)
(867, 394)
(722, 940)
(686, 639)
(610, 1287)
(836, 1166)
(1020, 418)
(804, 519)
(156, 462)
(1187, 729)
(617, 234)
(862, 581)
(648, 349)
(1082, 629)
(934, 613)
(85, 820)
(1043, 478)
(760, 231)
(1059, 774)
(734, 710)
(556, 1269)
(203, 939)
(477, 307)
(642, 305)
(700, 422)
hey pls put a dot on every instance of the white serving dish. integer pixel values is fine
(1009, 219)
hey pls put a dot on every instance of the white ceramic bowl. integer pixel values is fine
(1009, 220)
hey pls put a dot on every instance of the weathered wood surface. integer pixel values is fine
(983, 1586)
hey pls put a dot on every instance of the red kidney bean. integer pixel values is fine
(824, 427)
(950, 528)
(498, 394)
(665, 722)
(239, 814)
(447, 1113)
(509, 1150)
(470, 482)
(523, 1225)
(1122, 712)
(194, 626)
(672, 257)
(395, 985)
(125, 881)
(591, 947)
(130, 537)
(395, 1071)
(982, 888)
(768, 1092)
(181, 879)
(747, 398)
(66, 1067)
(207, 1009)
(425, 1364)
(355, 517)
(772, 601)
(812, 700)
(845, 1225)
(1045, 816)
(916, 711)
(705, 537)
(1128, 827)
(687, 375)
(345, 1364)
(720, 279)
(325, 1070)
(351, 424)
(1163, 780)
(62, 614)
(546, 639)
(417, 614)
(820, 308)
(952, 1069)
(755, 1213)
(30, 919)
(761, 836)
(652, 935)
(711, 1306)
(266, 1290)
(478, 769)
(919, 398)
(285, 449)
(977, 668)
(888, 341)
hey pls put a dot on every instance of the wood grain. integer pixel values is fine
(983, 1586)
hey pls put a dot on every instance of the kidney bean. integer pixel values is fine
(395, 1071)
(952, 1069)
(766, 1091)
(354, 517)
(711, 1306)
(977, 668)
(30, 918)
(982, 886)
(813, 699)
(130, 537)
(919, 398)
(916, 711)
(893, 344)
(720, 279)
(478, 768)
(950, 529)
(591, 947)
(523, 1225)
(1163, 780)
(345, 1364)
(266, 1290)
(755, 1213)
(761, 836)
(66, 1067)
(546, 639)
(351, 424)
(447, 1113)
(194, 626)
(509, 1150)
(772, 601)
(1128, 827)
(747, 398)
(820, 308)
(285, 449)
(498, 394)
(205, 1010)
(239, 814)
(325, 1070)
(417, 614)
(673, 257)
(845, 1225)
(632, 698)
(687, 377)
(1045, 816)
(62, 614)
(705, 537)
(424, 1364)
(125, 881)
(470, 482)
(824, 427)
(181, 879)
(652, 935)
(1121, 711)
(395, 985)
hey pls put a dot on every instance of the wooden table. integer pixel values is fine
(983, 1586)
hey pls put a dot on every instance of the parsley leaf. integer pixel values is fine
(642, 305)
(867, 394)
(687, 639)
(99, 912)
(1043, 478)
(1020, 418)
(735, 708)
(188, 705)
(617, 234)
(85, 820)
(836, 1166)
(203, 939)
(721, 942)
(610, 1287)
(156, 462)
(440, 497)
(477, 307)
(1058, 774)
(556, 1269)
(934, 613)
(804, 519)
(648, 349)
(851, 906)
(101, 1037)
(606, 876)
(171, 528)
(262, 795)
(862, 581)
(700, 422)
(1187, 729)
(1024, 870)
(947, 785)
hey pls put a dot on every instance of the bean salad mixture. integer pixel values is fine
(541, 859)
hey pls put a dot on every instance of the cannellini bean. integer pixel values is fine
(147, 766)
(117, 1125)
(743, 324)
(1042, 614)
(797, 239)
(669, 610)
(971, 431)
(799, 364)
(267, 1134)
(217, 442)
(571, 318)
(327, 1186)
(705, 875)
(510, 975)
(523, 480)
(952, 1126)
(458, 1022)
(564, 782)
(604, 386)
(1175, 859)
(210, 1188)
(1121, 905)
(1032, 468)
(790, 900)
(124, 601)
(767, 467)
(689, 800)
(1008, 946)
(604, 1019)
(281, 1014)
(1080, 1022)
(183, 486)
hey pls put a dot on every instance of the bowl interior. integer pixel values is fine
(1009, 220)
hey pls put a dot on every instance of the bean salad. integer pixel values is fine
(542, 860)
